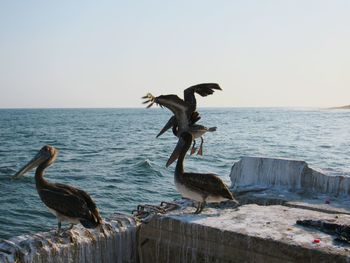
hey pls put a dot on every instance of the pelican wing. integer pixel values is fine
(181, 109)
(86, 197)
(209, 184)
(69, 201)
(203, 89)
(91, 205)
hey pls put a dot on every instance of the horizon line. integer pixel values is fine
(208, 107)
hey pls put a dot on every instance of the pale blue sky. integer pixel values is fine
(110, 53)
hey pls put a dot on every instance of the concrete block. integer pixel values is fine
(296, 176)
(250, 234)
(117, 242)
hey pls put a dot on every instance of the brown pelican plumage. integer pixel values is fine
(67, 203)
(185, 114)
(200, 187)
(197, 131)
(203, 89)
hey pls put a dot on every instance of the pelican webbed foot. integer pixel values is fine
(60, 231)
(193, 149)
(200, 207)
(200, 151)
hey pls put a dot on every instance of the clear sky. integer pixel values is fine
(110, 53)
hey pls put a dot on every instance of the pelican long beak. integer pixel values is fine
(35, 162)
(173, 157)
(168, 125)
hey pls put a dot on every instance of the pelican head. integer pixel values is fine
(46, 154)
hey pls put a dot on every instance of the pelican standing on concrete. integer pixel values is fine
(185, 114)
(67, 203)
(200, 187)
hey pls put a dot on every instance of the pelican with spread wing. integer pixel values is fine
(185, 114)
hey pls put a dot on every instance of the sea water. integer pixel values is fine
(114, 156)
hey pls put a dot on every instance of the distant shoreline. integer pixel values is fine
(347, 107)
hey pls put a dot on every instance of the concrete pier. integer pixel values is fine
(274, 194)
(116, 242)
(251, 233)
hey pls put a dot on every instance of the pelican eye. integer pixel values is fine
(47, 149)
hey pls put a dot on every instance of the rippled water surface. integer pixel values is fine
(113, 153)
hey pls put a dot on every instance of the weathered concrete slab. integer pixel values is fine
(334, 207)
(293, 175)
(250, 234)
(267, 181)
(318, 202)
(116, 242)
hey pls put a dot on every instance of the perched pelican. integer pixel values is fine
(203, 188)
(65, 202)
(185, 114)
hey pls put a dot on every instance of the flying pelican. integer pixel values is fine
(203, 89)
(65, 202)
(188, 119)
(200, 187)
